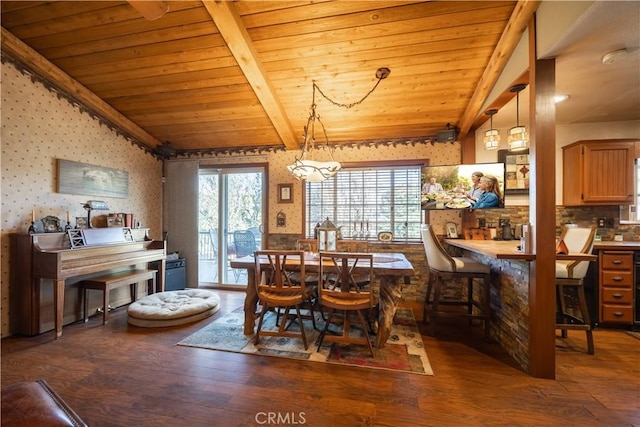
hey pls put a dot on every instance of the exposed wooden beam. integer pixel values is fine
(150, 9)
(542, 212)
(230, 25)
(58, 78)
(518, 22)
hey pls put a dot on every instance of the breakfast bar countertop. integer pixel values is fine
(508, 249)
(500, 249)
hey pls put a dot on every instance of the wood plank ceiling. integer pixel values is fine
(222, 76)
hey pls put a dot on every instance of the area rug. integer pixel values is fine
(404, 351)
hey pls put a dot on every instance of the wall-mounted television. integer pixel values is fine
(450, 186)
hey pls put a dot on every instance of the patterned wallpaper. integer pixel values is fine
(38, 127)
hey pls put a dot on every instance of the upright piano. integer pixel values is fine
(43, 264)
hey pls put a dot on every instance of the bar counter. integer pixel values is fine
(509, 317)
(508, 249)
(510, 272)
(499, 249)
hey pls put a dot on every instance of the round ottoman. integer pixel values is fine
(173, 308)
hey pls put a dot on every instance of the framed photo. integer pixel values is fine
(81, 222)
(285, 193)
(452, 231)
(385, 236)
(115, 221)
(516, 170)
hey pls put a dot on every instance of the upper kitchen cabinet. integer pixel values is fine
(598, 172)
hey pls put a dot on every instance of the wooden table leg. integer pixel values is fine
(390, 293)
(250, 302)
(58, 304)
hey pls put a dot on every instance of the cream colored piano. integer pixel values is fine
(43, 265)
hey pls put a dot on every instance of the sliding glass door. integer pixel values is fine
(230, 217)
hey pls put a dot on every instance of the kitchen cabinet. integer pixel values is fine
(598, 172)
(616, 286)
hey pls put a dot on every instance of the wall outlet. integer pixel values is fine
(602, 222)
(609, 222)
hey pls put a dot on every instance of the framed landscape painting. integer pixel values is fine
(90, 180)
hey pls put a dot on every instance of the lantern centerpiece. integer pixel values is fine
(327, 236)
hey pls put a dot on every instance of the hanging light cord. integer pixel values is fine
(381, 74)
(518, 108)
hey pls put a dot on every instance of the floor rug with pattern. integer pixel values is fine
(403, 352)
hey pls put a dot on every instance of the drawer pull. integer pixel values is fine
(616, 278)
(617, 295)
(616, 261)
(618, 313)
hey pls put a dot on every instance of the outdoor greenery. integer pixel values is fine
(243, 201)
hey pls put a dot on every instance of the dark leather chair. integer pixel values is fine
(34, 404)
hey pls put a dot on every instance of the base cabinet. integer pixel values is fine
(616, 287)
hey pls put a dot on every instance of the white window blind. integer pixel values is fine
(365, 201)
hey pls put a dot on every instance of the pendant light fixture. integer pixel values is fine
(307, 167)
(492, 136)
(518, 140)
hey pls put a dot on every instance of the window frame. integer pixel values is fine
(382, 165)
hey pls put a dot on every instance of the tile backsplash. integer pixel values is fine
(583, 216)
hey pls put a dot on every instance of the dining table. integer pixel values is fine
(389, 268)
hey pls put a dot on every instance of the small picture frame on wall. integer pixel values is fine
(285, 193)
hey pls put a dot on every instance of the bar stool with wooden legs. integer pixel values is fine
(570, 284)
(445, 268)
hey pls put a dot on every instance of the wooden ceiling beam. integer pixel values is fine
(230, 25)
(61, 80)
(514, 29)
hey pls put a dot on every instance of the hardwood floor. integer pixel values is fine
(119, 375)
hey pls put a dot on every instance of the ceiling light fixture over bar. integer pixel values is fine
(307, 167)
(518, 140)
(492, 136)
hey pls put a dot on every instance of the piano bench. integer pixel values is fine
(110, 281)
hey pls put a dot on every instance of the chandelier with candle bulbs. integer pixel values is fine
(307, 167)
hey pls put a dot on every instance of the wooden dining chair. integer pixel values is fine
(570, 284)
(307, 246)
(341, 295)
(443, 268)
(275, 290)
